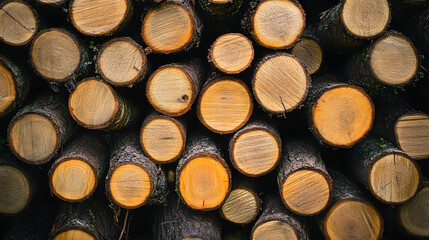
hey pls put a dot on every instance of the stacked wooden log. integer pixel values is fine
(214, 119)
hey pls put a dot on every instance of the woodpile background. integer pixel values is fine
(214, 119)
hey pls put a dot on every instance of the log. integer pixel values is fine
(122, 62)
(225, 104)
(390, 174)
(18, 22)
(97, 17)
(274, 24)
(277, 223)
(133, 180)
(173, 88)
(38, 131)
(351, 215)
(304, 183)
(255, 150)
(14, 87)
(231, 53)
(338, 114)
(423, 31)
(171, 27)
(308, 50)
(94, 104)
(280, 83)
(221, 9)
(53, 3)
(351, 22)
(162, 138)
(77, 171)
(203, 179)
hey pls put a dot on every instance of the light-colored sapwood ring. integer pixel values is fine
(98, 17)
(121, 62)
(73, 180)
(365, 18)
(171, 91)
(394, 178)
(309, 52)
(169, 27)
(18, 22)
(414, 215)
(306, 191)
(353, 219)
(343, 115)
(241, 207)
(15, 190)
(55, 54)
(278, 24)
(74, 234)
(232, 53)
(281, 83)
(225, 105)
(7, 88)
(274, 229)
(163, 139)
(130, 185)
(412, 134)
(33, 138)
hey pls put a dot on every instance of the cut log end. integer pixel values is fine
(18, 23)
(93, 104)
(232, 53)
(163, 139)
(73, 180)
(121, 62)
(55, 54)
(411, 215)
(130, 185)
(168, 28)
(33, 138)
(412, 134)
(274, 229)
(74, 234)
(256, 152)
(7, 89)
(394, 178)
(280, 83)
(204, 182)
(50, 1)
(394, 60)
(309, 52)
(15, 190)
(306, 192)
(365, 19)
(278, 24)
(171, 91)
(225, 105)
(219, 1)
(343, 115)
(98, 17)
(241, 207)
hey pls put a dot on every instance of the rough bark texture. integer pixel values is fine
(423, 31)
(221, 10)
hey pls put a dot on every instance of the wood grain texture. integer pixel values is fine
(412, 134)
(309, 52)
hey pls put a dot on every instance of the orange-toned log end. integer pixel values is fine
(129, 185)
(309, 52)
(412, 135)
(73, 180)
(278, 24)
(414, 216)
(394, 178)
(280, 83)
(306, 192)
(8, 89)
(232, 53)
(74, 234)
(353, 219)
(15, 190)
(225, 105)
(204, 182)
(241, 207)
(274, 229)
(343, 115)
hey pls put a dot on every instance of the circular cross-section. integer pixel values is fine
(7, 89)
(278, 24)
(241, 206)
(171, 91)
(414, 215)
(15, 190)
(74, 234)
(343, 115)
(98, 17)
(93, 104)
(204, 182)
(280, 83)
(73, 180)
(55, 54)
(168, 27)
(232, 53)
(309, 52)
(225, 105)
(394, 178)
(412, 134)
(33, 138)
(306, 192)
(274, 230)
